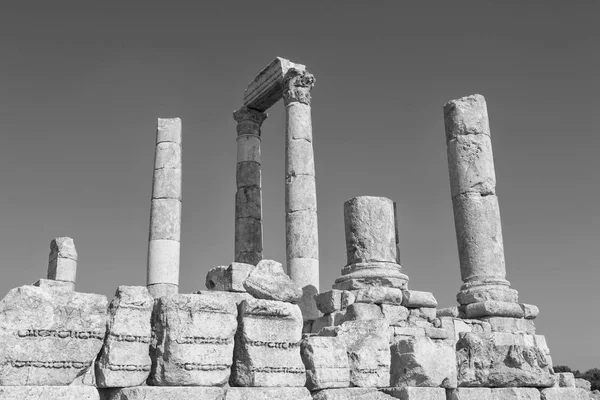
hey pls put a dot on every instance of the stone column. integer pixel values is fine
(302, 239)
(371, 245)
(476, 211)
(62, 261)
(248, 198)
(165, 215)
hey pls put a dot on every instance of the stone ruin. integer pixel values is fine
(258, 333)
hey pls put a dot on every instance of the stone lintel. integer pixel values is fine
(267, 87)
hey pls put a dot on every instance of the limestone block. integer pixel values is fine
(502, 360)
(168, 130)
(167, 184)
(421, 362)
(49, 393)
(367, 344)
(299, 158)
(302, 240)
(583, 384)
(479, 294)
(167, 156)
(379, 295)
(248, 237)
(466, 116)
(334, 300)
(366, 278)
(394, 313)
(268, 393)
(511, 325)
(515, 394)
(479, 237)
(49, 337)
(248, 203)
(494, 309)
(352, 393)
(417, 299)
(237, 273)
(470, 394)
(88, 378)
(62, 260)
(248, 174)
(408, 331)
(227, 297)
(267, 346)
(248, 148)
(363, 311)
(55, 285)
(416, 393)
(164, 393)
(555, 393)
(216, 279)
(438, 333)
(564, 379)
(194, 340)
(125, 357)
(302, 193)
(268, 281)
(471, 165)
(331, 319)
(447, 312)
(164, 257)
(370, 226)
(530, 311)
(165, 219)
(326, 363)
(428, 314)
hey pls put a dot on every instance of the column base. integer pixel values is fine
(157, 290)
(362, 275)
(477, 292)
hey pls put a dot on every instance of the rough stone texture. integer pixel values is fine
(62, 260)
(515, 394)
(416, 393)
(494, 309)
(379, 295)
(49, 337)
(564, 394)
(248, 240)
(124, 359)
(583, 384)
(367, 343)
(334, 300)
(470, 394)
(194, 340)
(417, 299)
(268, 281)
(228, 278)
(305, 186)
(564, 379)
(447, 312)
(326, 363)
(511, 325)
(216, 279)
(263, 393)
(164, 393)
(374, 277)
(503, 360)
(55, 285)
(407, 331)
(332, 319)
(394, 314)
(363, 311)
(425, 313)
(479, 294)
(530, 311)
(421, 362)
(267, 345)
(49, 393)
(301, 227)
(353, 393)
(228, 297)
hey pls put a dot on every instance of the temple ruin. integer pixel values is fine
(262, 330)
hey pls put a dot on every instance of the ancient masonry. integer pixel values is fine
(259, 333)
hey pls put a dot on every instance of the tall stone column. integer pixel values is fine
(476, 211)
(302, 239)
(248, 198)
(165, 215)
(371, 245)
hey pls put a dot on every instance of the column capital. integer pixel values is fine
(297, 85)
(249, 121)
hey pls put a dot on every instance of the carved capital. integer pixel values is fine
(297, 85)
(249, 121)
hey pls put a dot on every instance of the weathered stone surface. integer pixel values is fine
(530, 311)
(163, 257)
(466, 116)
(334, 300)
(379, 295)
(326, 363)
(124, 359)
(248, 174)
(268, 281)
(164, 393)
(248, 203)
(194, 340)
(228, 297)
(437, 333)
(363, 311)
(421, 362)
(427, 314)
(248, 236)
(479, 294)
(511, 325)
(407, 331)
(49, 337)
(564, 379)
(302, 236)
(367, 343)
(228, 278)
(268, 393)
(48, 393)
(447, 312)
(471, 165)
(394, 314)
(305, 272)
(167, 184)
(51, 284)
(168, 130)
(267, 346)
(502, 360)
(248, 147)
(305, 187)
(416, 393)
(494, 309)
(370, 224)
(62, 261)
(515, 394)
(417, 299)
(165, 219)
(332, 319)
(583, 384)
(555, 393)
(470, 394)
(352, 393)
(369, 279)
(216, 279)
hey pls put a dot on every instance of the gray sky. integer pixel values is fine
(83, 83)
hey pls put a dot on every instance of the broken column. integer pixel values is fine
(371, 245)
(302, 239)
(165, 215)
(476, 211)
(62, 261)
(248, 203)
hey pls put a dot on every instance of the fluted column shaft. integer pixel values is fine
(248, 198)
(302, 239)
(165, 215)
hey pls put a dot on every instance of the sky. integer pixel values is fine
(83, 83)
